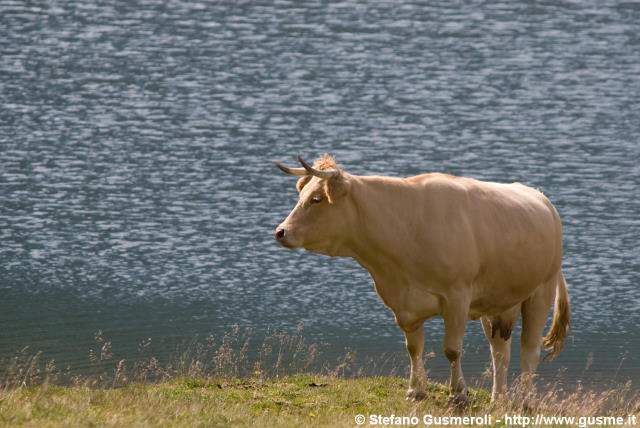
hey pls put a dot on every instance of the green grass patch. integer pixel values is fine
(303, 400)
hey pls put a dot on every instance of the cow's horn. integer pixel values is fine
(292, 171)
(321, 174)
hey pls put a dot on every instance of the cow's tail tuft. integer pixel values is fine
(561, 313)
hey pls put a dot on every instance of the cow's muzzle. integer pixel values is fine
(285, 237)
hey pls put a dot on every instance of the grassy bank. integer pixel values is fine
(218, 382)
(290, 401)
(301, 400)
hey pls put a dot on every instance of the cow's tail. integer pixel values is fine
(560, 325)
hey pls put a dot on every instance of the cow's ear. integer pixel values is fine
(302, 182)
(336, 187)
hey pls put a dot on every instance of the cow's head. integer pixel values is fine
(319, 221)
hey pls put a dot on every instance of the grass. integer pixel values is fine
(218, 382)
(301, 400)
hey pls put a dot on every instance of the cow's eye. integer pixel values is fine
(316, 199)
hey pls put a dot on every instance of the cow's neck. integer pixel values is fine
(376, 242)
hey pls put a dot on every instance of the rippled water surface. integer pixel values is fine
(138, 194)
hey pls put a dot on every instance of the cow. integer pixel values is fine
(441, 245)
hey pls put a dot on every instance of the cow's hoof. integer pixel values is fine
(459, 401)
(529, 405)
(414, 395)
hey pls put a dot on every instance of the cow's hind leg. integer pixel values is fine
(535, 311)
(498, 330)
(418, 380)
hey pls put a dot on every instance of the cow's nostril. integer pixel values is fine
(279, 233)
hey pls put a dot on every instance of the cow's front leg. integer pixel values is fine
(455, 322)
(418, 380)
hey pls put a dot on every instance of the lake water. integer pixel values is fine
(138, 194)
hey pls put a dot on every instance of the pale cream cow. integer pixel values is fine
(437, 244)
